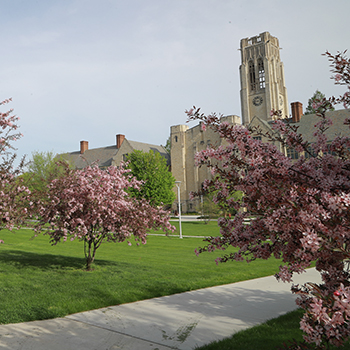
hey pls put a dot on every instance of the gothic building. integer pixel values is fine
(185, 143)
(262, 78)
(262, 89)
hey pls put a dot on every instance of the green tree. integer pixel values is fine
(158, 183)
(41, 170)
(318, 96)
(210, 210)
(168, 145)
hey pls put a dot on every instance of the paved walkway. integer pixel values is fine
(181, 321)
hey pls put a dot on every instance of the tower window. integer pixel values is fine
(292, 153)
(252, 76)
(175, 138)
(261, 74)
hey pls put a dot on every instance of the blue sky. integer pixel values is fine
(91, 69)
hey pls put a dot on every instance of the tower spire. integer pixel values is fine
(262, 78)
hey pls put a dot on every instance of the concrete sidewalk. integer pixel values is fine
(181, 321)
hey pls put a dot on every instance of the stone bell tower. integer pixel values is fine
(262, 78)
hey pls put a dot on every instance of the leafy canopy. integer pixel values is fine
(42, 169)
(168, 145)
(157, 181)
(317, 97)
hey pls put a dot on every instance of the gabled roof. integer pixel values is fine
(306, 125)
(106, 156)
(103, 156)
(146, 147)
(263, 124)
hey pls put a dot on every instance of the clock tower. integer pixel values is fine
(262, 78)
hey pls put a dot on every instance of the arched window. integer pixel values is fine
(252, 76)
(261, 74)
(175, 138)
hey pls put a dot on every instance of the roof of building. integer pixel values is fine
(146, 147)
(306, 125)
(104, 156)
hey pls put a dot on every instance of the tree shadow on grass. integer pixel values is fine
(22, 259)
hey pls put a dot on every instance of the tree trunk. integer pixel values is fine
(89, 261)
(89, 257)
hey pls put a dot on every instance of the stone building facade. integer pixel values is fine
(262, 78)
(185, 143)
(262, 89)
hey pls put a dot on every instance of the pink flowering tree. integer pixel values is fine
(8, 129)
(299, 210)
(93, 206)
(14, 195)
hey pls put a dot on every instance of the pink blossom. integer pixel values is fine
(94, 205)
(14, 205)
(189, 112)
(217, 260)
(299, 210)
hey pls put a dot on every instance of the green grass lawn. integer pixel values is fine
(40, 281)
(267, 336)
(197, 228)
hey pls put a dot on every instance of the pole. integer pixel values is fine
(177, 183)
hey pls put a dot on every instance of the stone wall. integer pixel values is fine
(185, 143)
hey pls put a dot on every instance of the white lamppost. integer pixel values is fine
(178, 183)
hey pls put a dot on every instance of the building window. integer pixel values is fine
(311, 153)
(125, 156)
(329, 151)
(257, 138)
(261, 74)
(252, 76)
(292, 153)
(175, 138)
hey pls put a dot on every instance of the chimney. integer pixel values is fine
(297, 111)
(84, 146)
(120, 139)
